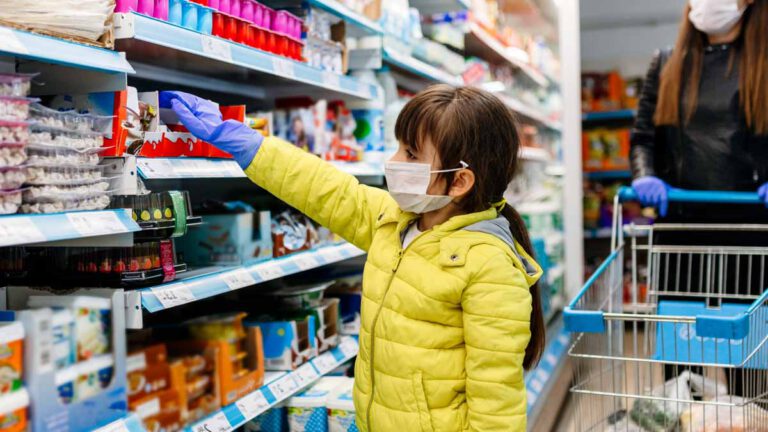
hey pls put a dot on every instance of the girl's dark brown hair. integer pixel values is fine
(685, 62)
(474, 126)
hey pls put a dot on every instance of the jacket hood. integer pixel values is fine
(499, 228)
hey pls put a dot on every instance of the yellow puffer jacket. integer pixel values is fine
(445, 321)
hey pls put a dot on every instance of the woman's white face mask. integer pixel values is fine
(408, 183)
(715, 17)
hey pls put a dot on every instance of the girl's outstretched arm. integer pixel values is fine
(319, 190)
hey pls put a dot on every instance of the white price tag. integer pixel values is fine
(306, 262)
(348, 347)
(173, 295)
(536, 385)
(325, 363)
(238, 279)
(96, 223)
(283, 387)
(148, 408)
(216, 423)
(117, 426)
(252, 404)
(10, 43)
(16, 230)
(283, 68)
(332, 254)
(152, 168)
(269, 271)
(331, 79)
(135, 362)
(217, 48)
(305, 375)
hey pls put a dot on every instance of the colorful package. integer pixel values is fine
(341, 408)
(63, 341)
(65, 384)
(13, 411)
(11, 356)
(307, 410)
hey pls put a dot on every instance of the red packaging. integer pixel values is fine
(260, 38)
(218, 24)
(281, 45)
(230, 27)
(270, 43)
(243, 31)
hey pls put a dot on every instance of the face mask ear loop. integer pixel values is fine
(499, 205)
(463, 164)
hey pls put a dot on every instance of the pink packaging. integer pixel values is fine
(234, 8)
(161, 10)
(146, 7)
(258, 14)
(125, 6)
(224, 6)
(213, 4)
(267, 18)
(246, 10)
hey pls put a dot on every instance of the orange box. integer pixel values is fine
(13, 411)
(11, 356)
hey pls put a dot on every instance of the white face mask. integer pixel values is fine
(408, 184)
(715, 17)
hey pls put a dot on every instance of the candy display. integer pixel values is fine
(11, 356)
(162, 215)
(605, 149)
(607, 91)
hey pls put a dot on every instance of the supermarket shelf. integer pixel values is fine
(128, 424)
(549, 374)
(219, 280)
(253, 404)
(59, 51)
(482, 44)
(18, 230)
(167, 53)
(555, 272)
(417, 67)
(360, 21)
(196, 168)
(429, 7)
(608, 115)
(531, 113)
(609, 175)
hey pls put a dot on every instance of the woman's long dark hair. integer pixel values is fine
(472, 125)
(684, 68)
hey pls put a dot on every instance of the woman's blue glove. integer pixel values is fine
(203, 120)
(652, 191)
(762, 192)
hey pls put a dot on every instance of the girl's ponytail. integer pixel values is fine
(537, 343)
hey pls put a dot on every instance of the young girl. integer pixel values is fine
(451, 312)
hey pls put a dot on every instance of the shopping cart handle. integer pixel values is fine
(626, 193)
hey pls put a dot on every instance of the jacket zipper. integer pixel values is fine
(400, 254)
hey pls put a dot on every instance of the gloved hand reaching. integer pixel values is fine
(652, 191)
(762, 192)
(203, 120)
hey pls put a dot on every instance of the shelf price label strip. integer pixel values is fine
(19, 229)
(256, 403)
(187, 291)
(128, 424)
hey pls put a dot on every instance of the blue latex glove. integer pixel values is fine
(203, 120)
(762, 192)
(652, 191)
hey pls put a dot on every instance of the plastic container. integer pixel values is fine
(219, 27)
(13, 411)
(14, 131)
(307, 410)
(281, 45)
(13, 84)
(125, 6)
(224, 6)
(64, 350)
(93, 376)
(230, 27)
(175, 11)
(146, 7)
(341, 408)
(234, 8)
(258, 14)
(213, 4)
(243, 31)
(65, 384)
(205, 20)
(11, 357)
(10, 201)
(189, 15)
(267, 17)
(92, 321)
(161, 9)
(12, 177)
(246, 10)
(287, 24)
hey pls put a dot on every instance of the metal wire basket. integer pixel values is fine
(685, 346)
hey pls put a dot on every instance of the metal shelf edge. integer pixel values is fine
(335, 8)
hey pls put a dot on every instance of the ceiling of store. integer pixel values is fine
(602, 14)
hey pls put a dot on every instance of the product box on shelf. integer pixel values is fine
(274, 420)
(327, 315)
(96, 390)
(341, 408)
(102, 104)
(13, 411)
(229, 239)
(11, 356)
(287, 344)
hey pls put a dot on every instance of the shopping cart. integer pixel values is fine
(666, 349)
